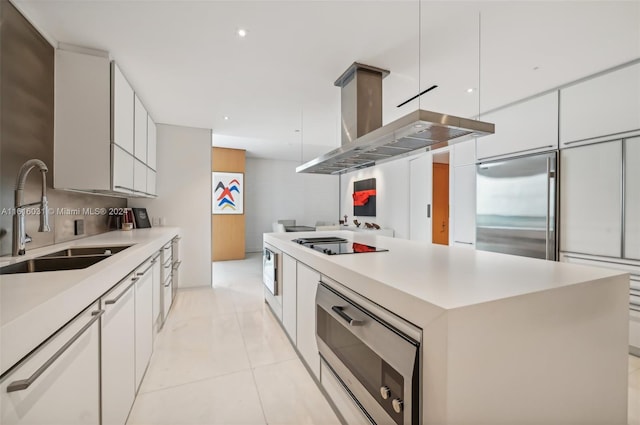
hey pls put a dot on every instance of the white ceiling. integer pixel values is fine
(190, 68)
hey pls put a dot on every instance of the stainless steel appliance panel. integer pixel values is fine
(377, 363)
(516, 206)
(269, 272)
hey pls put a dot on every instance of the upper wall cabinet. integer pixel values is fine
(464, 153)
(99, 119)
(604, 106)
(151, 143)
(527, 127)
(140, 131)
(122, 109)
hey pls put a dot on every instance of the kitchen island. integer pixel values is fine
(504, 339)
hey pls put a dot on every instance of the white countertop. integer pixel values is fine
(34, 305)
(443, 276)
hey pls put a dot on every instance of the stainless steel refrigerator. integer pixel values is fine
(516, 206)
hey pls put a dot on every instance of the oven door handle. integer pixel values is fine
(339, 310)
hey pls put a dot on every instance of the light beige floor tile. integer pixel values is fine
(226, 400)
(290, 396)
(197, 302)
(634, 363)
(195, 349)
(265, 340)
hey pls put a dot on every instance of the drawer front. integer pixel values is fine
(67, 390)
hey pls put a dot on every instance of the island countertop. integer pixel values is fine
(443, 276)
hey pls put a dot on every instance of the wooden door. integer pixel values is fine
(440, 222)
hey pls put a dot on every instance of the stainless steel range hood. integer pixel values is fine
(362, 117)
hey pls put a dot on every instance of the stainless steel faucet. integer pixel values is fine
(20, 237)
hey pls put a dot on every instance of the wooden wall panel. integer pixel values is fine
(227, 237)
(228, 160)
(228, 230)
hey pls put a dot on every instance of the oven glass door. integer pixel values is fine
(375, 363)
(368, 367)
(269, 271)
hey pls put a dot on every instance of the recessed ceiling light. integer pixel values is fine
(242, 33)
(471, 90)
(226, 118)
(419, 125)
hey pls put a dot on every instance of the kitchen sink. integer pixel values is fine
(50, 264)
(89, 250)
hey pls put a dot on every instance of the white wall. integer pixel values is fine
(392, 199)
(274, 191)
(184, 197)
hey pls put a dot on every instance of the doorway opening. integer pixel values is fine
(440, 220)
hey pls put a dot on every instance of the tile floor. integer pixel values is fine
(223, 359)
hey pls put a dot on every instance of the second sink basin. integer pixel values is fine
(89, 250)
(44, 264)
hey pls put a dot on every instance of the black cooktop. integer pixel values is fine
(331, 245)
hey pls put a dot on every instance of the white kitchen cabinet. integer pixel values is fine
(157, 291)
(464, 205)
(140, 131)
(98, 121)
(143, 318)
(123, 170)
(82, 124)
(606, 105)
(123, 110)
(631, 267)
(289, 295)
(632, 199)
(167, 276)
(151, 182)
(464, 153)
(68, 390)
(526, 127)
(118, 352)
(307, 284)
(590, 204)
(151, 143)
(420, 199)
(139, 177)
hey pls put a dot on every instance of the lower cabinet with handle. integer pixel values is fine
(144, 317)
(59, 382)
(118, 351)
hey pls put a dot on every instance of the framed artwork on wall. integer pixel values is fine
(228, 193)
(364, 198)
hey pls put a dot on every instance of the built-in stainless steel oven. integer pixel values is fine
(373, 353)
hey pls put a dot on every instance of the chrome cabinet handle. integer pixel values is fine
(115, 300)
(145, 270)
(124, 187)
(23, 384)
(466, 243)
(340, 312)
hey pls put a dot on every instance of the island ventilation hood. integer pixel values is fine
(365, 141)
